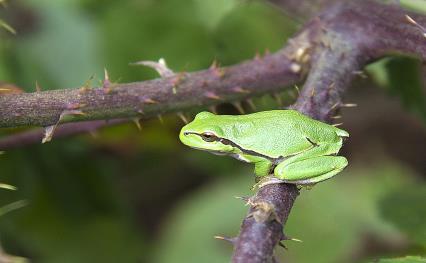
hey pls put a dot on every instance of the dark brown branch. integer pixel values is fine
(150, 98)
(351, 36)
(26, 138)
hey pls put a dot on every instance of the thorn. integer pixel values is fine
(214, 65)
(149, 101)
(49, 130)
(182, 117)
(285, 238)
(160, 67)
(295, 239)
(74, 106)
(232, 240)
(211, 95)
(251, 104)
(349, 105)
(88, 83)
(106, 83)
(175, 81)
(267, 52)
(83, 90)
(295, 68)
(213, 109)
(281, 244)
(7, 26)
(138, 123)
(218, 71)
(297, 89)
(299, 53)
(94, 134)
(360, 73)
(335, 106)
(48, 133)
(160, 118)
(313, 92)
(8, 187)
(238, 89)
(244, 198)
(413, 22)
(337, 124)
(336, 117)
(239, 107)
(38, 89)
(257, 56)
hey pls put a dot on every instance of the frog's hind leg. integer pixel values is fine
(310, 171)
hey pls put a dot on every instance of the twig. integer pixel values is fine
(26, 138)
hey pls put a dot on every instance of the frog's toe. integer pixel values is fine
(267, 180)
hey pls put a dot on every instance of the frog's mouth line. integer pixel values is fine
(233, 144)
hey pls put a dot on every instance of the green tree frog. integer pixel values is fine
(282, 144)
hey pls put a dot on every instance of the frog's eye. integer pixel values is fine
(209, 137)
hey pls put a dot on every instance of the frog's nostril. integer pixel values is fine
(186, 133)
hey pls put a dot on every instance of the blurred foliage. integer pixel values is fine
(402, 77)
(402, 208)
(332, 219)
(403, 260)
(414, 5)
(129, 196)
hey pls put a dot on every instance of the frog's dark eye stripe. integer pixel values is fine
(206, 136)
(209, 137)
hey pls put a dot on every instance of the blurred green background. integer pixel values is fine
(130, 196)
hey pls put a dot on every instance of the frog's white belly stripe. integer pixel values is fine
(240, 157)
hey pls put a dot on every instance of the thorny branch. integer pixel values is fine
(149, 98)
(352, 35)
(331, 48)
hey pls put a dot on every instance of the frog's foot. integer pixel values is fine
(263, 212)
(267, 180)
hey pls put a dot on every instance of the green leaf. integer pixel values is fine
(406, 209)
(408, 259)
